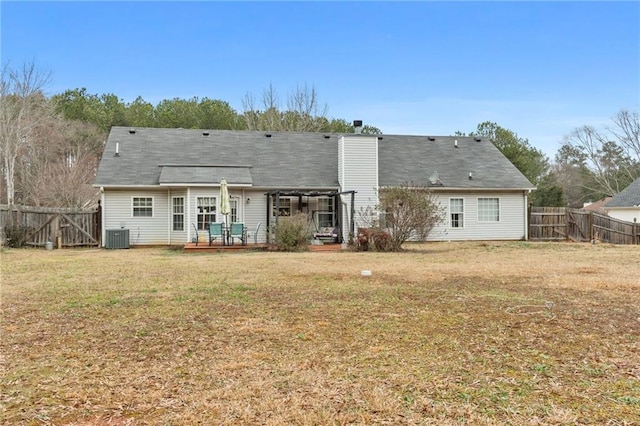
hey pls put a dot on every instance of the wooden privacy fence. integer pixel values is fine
(62, 227)
(560, 223)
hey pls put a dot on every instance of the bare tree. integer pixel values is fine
(23, 109)
(303, 112)
(66, 166)
(610, 158)
(627, 132)
(404, 212)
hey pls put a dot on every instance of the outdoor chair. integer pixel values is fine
(216, 230)
(238, 230)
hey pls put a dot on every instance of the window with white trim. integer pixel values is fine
(178, 213)
(488, 209)
(142, 206)
(325, 212)
(456, 212)
(284, 208)
(234, 210)
(205, 211)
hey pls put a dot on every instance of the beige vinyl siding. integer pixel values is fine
(358, 171)
(510, 226)
(118, 213)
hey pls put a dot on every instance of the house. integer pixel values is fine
(162, 184)
(626, 204)
(596, 206)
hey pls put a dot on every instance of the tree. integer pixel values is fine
(140, 113)
(403, 212)
(24, 111)
(104, 111)
(529, 160)
(602, 162)
(217, 114)
(66, 166)
(303, 113)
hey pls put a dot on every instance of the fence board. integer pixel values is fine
(64, 227)
(560, 223)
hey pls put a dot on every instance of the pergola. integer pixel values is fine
(274, 196)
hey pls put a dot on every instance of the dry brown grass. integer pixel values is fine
(446, 333)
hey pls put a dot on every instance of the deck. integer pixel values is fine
(217, 248)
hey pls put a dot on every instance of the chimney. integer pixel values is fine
(357, 126)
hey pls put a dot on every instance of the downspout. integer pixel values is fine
(169, 216)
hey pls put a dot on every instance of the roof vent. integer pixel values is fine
(470, 175)
(267, 135)
(455, 143)
(432, 138)
(117, 154)
(132, 131)
(205, 133)
(478, 139)
(326, 136)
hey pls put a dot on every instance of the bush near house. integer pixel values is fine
(292, 233)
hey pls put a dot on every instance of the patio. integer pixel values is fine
(204, 247)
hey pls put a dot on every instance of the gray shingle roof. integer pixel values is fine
(628, 197)
(294, 160)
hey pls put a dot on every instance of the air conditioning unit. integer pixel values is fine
(117, 239)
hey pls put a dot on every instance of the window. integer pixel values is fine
(488, 210)
(142, 206)
(206, 211)
(325, 212)
(285, 207)
(178, 213)
(234, 210)
(456, 212)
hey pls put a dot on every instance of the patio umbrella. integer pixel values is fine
(225, 203)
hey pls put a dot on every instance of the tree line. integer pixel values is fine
(50, 145)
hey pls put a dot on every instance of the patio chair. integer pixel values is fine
(238, 230)
(216, 230)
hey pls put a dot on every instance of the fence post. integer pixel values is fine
(529, 207)
(591, 233)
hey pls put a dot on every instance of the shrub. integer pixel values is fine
(373, 239)
(16, 236)
(292, 233)
(404, 212)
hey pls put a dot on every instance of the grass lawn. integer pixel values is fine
(444, 333)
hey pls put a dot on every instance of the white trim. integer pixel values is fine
(478, 209)
(172, 213)
(464, 215)
(189, 219)
(210, 185)
(102, 219)
(153, 205)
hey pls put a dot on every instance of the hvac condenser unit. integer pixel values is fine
(117, 239)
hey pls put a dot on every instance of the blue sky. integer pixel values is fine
(540, 69)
